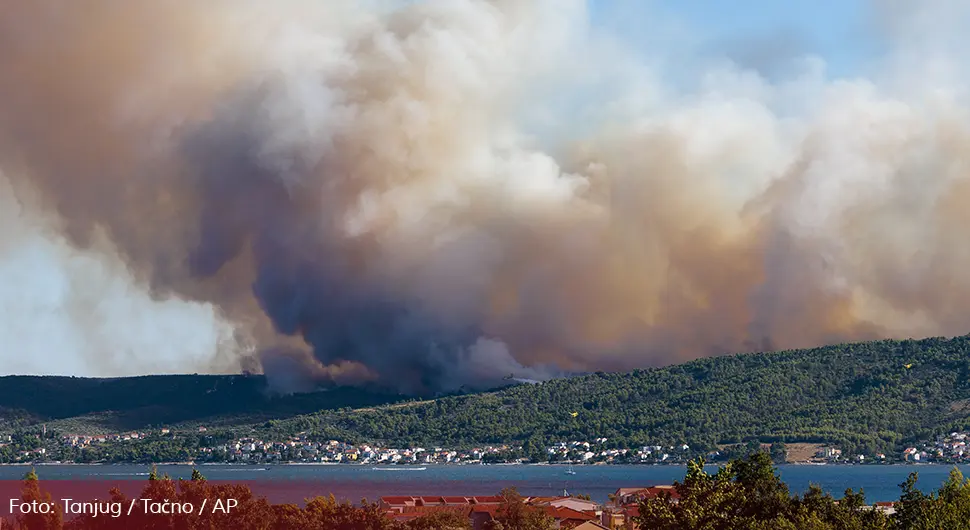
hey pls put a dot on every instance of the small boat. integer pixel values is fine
(399, 468)
(570, 470)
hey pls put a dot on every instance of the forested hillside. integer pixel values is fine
(136, 402)
(867, 396)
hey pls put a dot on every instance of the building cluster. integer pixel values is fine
(80, 440)
(567, 511)
(949, 448)
(586, 452)
(302, 448)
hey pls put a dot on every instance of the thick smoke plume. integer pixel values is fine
(439, 193)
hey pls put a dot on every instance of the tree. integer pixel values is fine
(441, 520)
(747, 494)
(197, 475)
(948, 508)
(779, 452)
(326, 512)
(33, 520)
(515, 514)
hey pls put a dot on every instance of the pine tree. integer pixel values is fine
(32, 493)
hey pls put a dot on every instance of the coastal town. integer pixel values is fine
(305, 448)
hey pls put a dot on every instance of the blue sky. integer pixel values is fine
(760, 34)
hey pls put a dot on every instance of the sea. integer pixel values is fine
(294, 483)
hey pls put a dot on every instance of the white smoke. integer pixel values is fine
(81, 312)
(442, 192)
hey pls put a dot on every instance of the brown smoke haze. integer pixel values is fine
(439, 193)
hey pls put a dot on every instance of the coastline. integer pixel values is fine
(441, 465)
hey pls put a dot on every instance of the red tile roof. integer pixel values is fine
(537, 500)
(401, 501)
(456, 500)
(632, 495)
(568, 514)
(490, 499)
(431, 500)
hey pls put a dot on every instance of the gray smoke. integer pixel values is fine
(436, 194)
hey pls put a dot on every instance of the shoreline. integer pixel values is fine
(416, 465)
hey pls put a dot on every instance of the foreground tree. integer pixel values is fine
(32, 493)
(441, 520)
(948, 508)
(747, 494)
(515, 514)
(326, 512)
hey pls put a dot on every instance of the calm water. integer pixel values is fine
(355, 482)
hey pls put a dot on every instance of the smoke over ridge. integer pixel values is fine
(439, 193)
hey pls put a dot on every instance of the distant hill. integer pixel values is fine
(868, 396)
(871, 396)
(80, 404)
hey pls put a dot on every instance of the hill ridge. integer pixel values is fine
(866, 396)
(871, 395)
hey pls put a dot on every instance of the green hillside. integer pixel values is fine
(79, 405)
(861, 396)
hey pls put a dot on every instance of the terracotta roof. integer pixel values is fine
(426, 500)
(397, 501)
(653, 491)
(537, 500)
(568, 514)
(434, 500)
(456, 500)
(488, 499)
(649, 493)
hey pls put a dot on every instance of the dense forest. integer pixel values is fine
(79, 405)
(867, 397)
